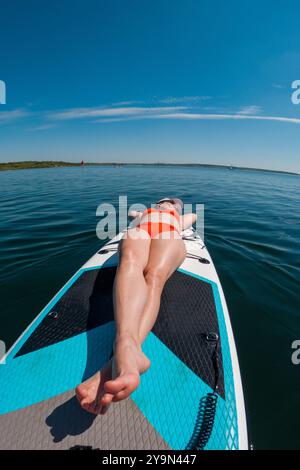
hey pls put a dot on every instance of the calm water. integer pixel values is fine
(48, 220)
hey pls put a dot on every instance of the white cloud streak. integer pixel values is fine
(248, 110)
(130, 113)
(127, 103)
(80, 113)
(202, 117)
(43, 127)
(279, 86)
(8, 116)
(197, 116)
(183, 99)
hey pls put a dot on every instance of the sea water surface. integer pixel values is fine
(252, 229)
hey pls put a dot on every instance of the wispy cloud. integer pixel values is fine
(188, 116)
(248, 110)
(8, 116)
(127, 103)
(183, 99)
(42, 127)
(110, 114)
(278, 85)
(80, 113)
(197, 116)
(138, 117)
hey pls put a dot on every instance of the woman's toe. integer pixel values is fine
(114, 386)
(81, 392)
(106, 399)
(121, 395)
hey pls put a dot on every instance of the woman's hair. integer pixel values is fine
(177, 203)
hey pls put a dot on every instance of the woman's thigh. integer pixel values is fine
(134, 248)
(164, 257)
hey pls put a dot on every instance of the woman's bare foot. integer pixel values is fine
(89, 393)
(129, 362)
(117, 380)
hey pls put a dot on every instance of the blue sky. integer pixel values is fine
(147, 81)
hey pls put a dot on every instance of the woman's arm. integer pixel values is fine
(134, 214)
(135, 217)
(187, 220)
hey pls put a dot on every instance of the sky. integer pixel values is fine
(181, 81)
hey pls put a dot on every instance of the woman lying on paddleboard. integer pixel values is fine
(149, 253)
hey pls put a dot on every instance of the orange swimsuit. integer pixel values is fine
(156, 221)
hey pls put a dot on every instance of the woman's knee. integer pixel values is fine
(130, 260)
(155, 277)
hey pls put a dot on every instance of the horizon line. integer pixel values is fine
(210, 165)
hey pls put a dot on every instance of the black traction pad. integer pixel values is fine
(187, 313)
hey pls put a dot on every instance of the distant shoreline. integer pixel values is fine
(23, 165)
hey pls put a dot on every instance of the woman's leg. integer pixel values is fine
(97, 393)
(130, 289)
(130, 296)
(164, 257)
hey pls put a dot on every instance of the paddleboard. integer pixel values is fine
(191, 398)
